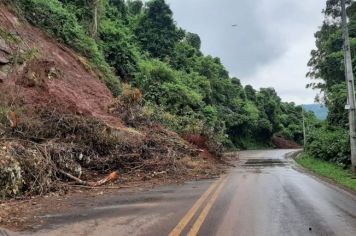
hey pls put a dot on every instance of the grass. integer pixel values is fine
(9, 37)
(29, 55)
(328, 170)
(3, 112)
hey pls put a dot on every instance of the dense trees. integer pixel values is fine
(156, 31)
(184, 89)
(330, 141)
(193, 40)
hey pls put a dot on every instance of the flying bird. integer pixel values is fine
(234, 25)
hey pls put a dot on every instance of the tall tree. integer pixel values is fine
(156, 30)
(327, 61)
(95, 4)
(194, 40)
(135, 6)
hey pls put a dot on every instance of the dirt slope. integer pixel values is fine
(48, 74)
(282, 143)
(58, 120)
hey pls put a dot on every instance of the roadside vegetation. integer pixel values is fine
(329, 141)
(187, 91)
(171, 110)
(329, 170)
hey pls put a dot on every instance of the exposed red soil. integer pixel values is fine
(196, 139)
(283, 143)
(58, 78)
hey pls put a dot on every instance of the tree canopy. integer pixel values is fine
(189, 92)
(328, 75)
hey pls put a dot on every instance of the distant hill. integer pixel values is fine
(320, 111)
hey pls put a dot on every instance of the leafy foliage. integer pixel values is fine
(114, 39)
(330, 142)
(193, 40)
(54, 17)
(183, 89)
(156, 30)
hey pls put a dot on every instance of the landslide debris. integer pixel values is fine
(57, 119)
(282, 143)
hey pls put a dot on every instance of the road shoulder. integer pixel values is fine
(325, 178)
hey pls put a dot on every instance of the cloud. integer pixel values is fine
(287, 74)
(270, 46)
(242, 47)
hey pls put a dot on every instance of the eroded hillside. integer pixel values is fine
(58, 120)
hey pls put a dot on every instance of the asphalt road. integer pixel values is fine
(264, 195)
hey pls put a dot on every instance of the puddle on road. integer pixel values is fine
(264, 162)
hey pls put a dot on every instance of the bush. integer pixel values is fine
(183, 89)
(292, 132)
(175, 91)
(329, 144)
(118, 48)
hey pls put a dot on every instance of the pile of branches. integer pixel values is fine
(45, 150)
(25, 169)
(128, 107)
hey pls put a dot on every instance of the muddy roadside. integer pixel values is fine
(29, 213)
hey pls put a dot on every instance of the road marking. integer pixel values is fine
(198, 223)
(185, 220)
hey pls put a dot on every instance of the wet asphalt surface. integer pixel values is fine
(264, 195)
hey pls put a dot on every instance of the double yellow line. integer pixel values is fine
(217, 187)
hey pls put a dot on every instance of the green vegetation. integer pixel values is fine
(63, 24)
(185, 90)
(8, 37)
(27, 56)
(329, 140)
(329, 143)
(329, 170)
(3, 112)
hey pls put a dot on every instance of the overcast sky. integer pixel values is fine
(270, 46)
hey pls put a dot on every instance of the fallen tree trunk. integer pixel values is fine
(109, 179)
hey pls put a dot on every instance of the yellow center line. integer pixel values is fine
(198, 223)
(185, 220)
